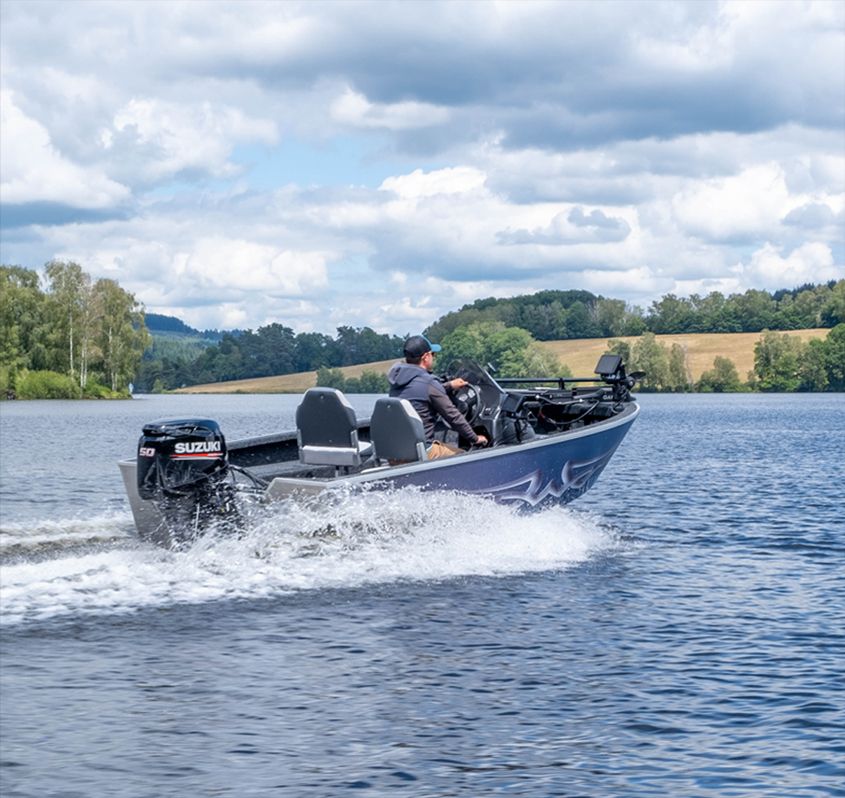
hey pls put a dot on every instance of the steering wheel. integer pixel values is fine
(468, 401)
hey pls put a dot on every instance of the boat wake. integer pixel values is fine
(347, 540)
(49, 538)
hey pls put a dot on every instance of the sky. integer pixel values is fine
(379, 164)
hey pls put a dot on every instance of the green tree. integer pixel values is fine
(649, 355)
(47, 384)
(834, 346)
(468, 342)
(70, 309)
(364, 345)
(580, 322)
(722, 378)
(330, 378)
(678, 378)
(611, 316)
(368, 382)
(270, 350)
(545, 315)
(623, 349)
(710, 314)
(671, 315)
(539, 362)
(373, 382)
(544, 322)
(812, 368)
(221, 362)
(121, 335)
(313, 350)
(635, 323)
(833, 310)
(755, 309)
(22, 319)
(776, 360)
(510, 350)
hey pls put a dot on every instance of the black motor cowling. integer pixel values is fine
(183, 468)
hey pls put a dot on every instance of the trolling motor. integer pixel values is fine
(183, 468)
(612, 370)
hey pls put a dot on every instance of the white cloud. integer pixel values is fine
(420, 184)
(697, 49)
(810, 263)
(494, 149)
(448, 223)
(353, 109)
(169, 263)
(747, 204)
(177, 137)
(33, 170)
(574, 227)
(415, 313)
(247, 266)
(636, 284)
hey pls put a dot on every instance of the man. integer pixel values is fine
(413, 380)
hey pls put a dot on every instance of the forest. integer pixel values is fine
(270, 350)
(76, 337)
(557, 315)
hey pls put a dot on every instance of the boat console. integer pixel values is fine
(509, 410)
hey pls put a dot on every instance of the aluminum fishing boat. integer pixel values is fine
(549, 439)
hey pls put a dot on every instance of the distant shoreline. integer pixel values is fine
(580, 355)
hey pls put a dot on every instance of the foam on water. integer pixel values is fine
(51, 536)
(347, 540)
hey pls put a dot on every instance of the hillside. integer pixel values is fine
(162, 326)
(579, 354)
(285, 383)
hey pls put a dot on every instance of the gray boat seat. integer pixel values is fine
(397, 432)
(327, 430)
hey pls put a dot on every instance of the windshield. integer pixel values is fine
(472, 372)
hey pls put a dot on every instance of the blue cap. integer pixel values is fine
(418, 345)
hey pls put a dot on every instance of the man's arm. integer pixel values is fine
(443, 406)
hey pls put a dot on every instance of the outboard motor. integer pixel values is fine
(183, 469)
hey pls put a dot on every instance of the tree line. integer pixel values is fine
(781, 363)
(77, 337)
(74, 337)
(556, 315)
(546, 315)
(270, 350)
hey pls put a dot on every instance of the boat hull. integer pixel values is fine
(548, 469)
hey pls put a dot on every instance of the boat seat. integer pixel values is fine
(327, 430)
(397, 432)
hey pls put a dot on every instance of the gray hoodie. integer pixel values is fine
(429, 398)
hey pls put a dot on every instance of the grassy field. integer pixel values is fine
(579, 354)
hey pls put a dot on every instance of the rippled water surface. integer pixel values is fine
(678, 631)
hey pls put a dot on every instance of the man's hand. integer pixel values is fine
(457, 383)
(482, 440)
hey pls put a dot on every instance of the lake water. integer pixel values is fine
(677, 631)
